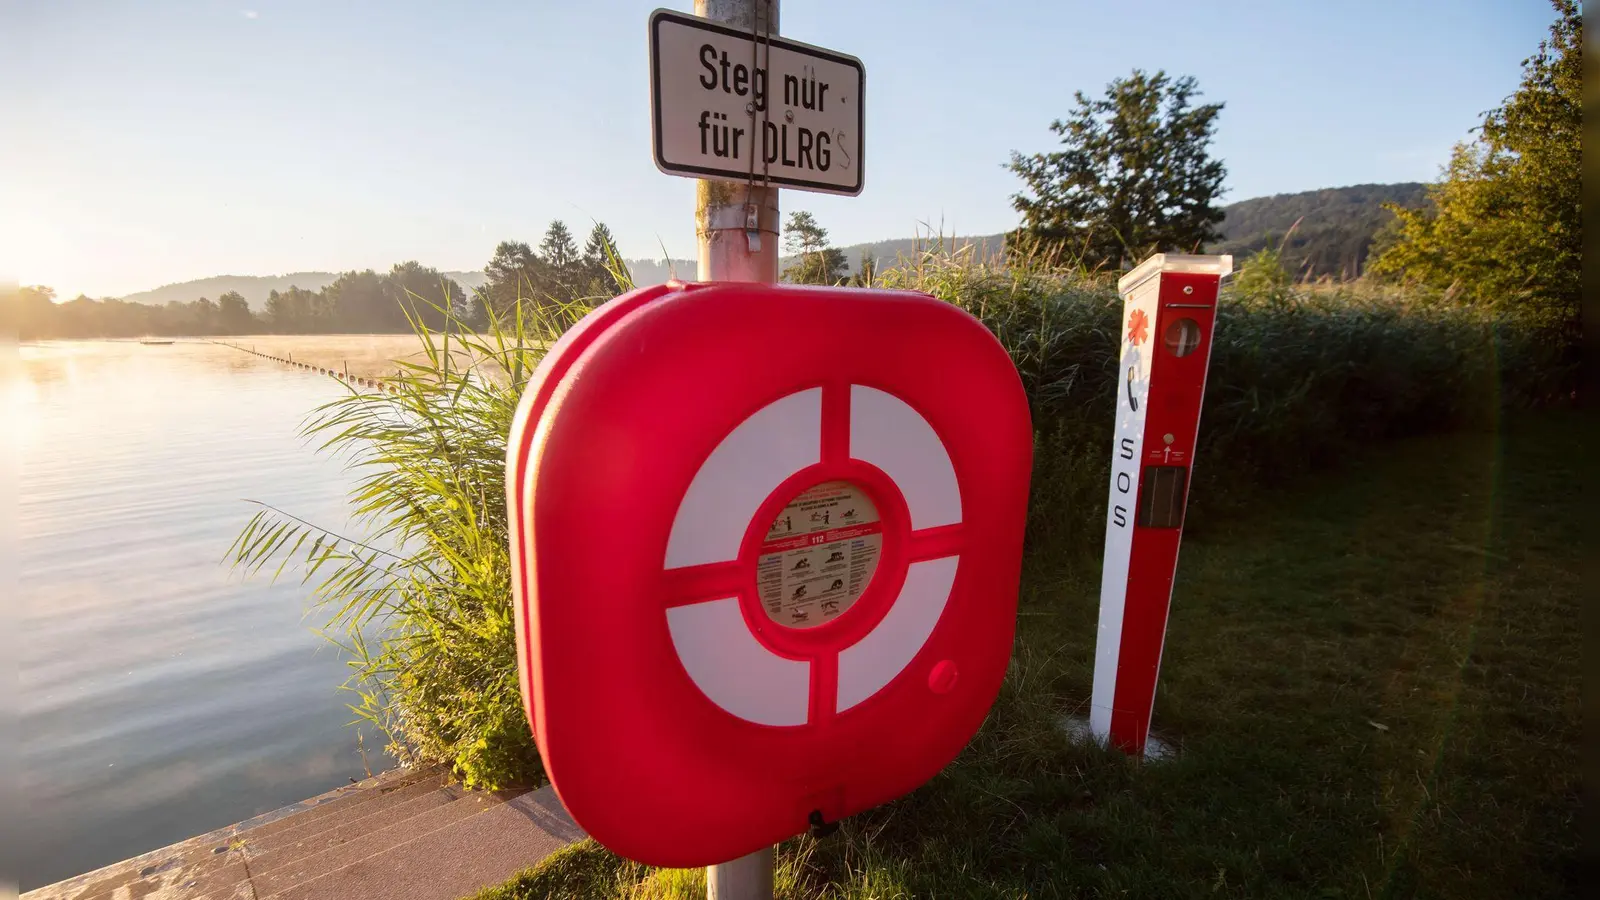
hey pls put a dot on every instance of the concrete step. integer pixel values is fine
(287, 874)
(399, 805)
(374, 802)
(166, 870)
(248, 862)
(406, 837)
(450, 862)
(251, 853)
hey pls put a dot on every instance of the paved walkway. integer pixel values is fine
(402, 835)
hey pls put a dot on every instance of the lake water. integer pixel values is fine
(161, 694)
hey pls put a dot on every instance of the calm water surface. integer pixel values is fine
(161, 695)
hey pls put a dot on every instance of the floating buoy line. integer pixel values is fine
(289, 360)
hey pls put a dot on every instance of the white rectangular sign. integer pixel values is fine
(726, 105)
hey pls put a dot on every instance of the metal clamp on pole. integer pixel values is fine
(725, 254)
(752, 226)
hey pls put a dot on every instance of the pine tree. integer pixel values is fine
(563, 266)
(599, 255)
(816, 262)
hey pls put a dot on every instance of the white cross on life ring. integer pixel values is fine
(725, 660)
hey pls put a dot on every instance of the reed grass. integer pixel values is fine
(419, 597)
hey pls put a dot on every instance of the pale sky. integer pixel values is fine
(158, 142)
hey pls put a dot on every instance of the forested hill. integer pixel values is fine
(1337, 226)
(1336, 229)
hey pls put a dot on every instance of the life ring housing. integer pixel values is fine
(766, 542)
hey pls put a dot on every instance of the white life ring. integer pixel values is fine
(728, 663)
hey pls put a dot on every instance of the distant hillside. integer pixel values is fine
(657, 271)
(889, 253)
(256, 288)
(1336, 229)
(1335, 235)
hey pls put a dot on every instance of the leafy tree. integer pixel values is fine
(514, 273)
(360, 302)
(1136, 176)
(298, 311)
(816, 262)
(34, 313)
(179, 318)
(279, 314)
(1505, 226)
(233, 314)
(206, 317)
(424, 292)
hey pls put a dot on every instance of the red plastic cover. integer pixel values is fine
(766, 542)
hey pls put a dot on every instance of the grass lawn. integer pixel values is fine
(1373, 678)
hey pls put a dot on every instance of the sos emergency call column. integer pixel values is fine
(1169, 312)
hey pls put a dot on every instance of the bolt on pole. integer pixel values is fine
(737, 224)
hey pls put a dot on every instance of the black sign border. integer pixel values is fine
(663, 15)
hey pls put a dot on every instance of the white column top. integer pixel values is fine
(1188, 263)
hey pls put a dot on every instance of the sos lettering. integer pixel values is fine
(794, 146)
(1119, 513)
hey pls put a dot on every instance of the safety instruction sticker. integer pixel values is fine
(819, 555)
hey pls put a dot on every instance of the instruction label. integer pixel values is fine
(819, 555)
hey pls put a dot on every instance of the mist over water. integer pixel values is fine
(161, 695)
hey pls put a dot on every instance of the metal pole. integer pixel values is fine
(746, 878)
(737, 224)
(737, 227)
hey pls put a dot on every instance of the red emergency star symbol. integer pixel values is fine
(1138, 327)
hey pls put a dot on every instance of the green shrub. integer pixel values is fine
(1263, 279)
(422, 603)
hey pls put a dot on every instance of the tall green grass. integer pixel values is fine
(1299, 376)
(419, 597)
(421, 600)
